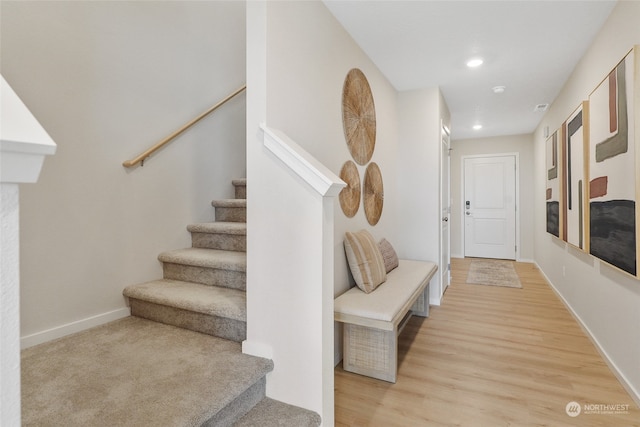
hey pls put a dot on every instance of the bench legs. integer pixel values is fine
(371, 352)
(374, 352)
(421, 306)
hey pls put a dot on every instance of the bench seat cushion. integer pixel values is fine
(389, 298)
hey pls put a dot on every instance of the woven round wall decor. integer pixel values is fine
(350, 195)
(358, 116)
(373, 193)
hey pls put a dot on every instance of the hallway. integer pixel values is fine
(490, 356)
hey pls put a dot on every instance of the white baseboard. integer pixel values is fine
(635, 394)
(73, 327)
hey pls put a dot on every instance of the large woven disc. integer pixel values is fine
(358, 116)
(350, 195)
(373, 193)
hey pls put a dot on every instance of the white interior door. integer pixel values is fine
(490, 207)
(445, 208)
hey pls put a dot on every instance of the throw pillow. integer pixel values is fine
(365, 260)
(388, 255)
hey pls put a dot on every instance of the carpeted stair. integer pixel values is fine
(203, 288)
(177, 361)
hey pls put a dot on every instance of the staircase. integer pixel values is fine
(177, 361)
(203, 289)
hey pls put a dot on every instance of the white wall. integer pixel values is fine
(309, 56)
(420, 113)
(107, 80)
(521, 144)
(298, 58)
(606, 302)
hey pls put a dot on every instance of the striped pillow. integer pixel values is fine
(365, 260)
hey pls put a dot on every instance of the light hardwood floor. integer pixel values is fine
(489, 356)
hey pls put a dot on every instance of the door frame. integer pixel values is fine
(517, 196)
(445, 133)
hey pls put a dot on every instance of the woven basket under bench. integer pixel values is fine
(373, 321)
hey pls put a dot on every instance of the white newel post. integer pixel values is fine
(290, 273)
(23, 145)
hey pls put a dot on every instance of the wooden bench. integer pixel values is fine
(373, 321)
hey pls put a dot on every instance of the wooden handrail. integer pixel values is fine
(141, 157)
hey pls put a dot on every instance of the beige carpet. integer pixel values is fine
(494, 273)
(135, 373)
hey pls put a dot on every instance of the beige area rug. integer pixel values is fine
(494, 273)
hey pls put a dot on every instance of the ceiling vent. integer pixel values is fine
(540, 108)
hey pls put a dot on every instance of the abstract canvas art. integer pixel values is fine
(613, 173)
(553, 185)
(574, 173)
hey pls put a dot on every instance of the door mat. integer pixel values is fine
(493, 273)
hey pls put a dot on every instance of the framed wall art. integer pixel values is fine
(553, 186)
(613, 166)
(575, 215)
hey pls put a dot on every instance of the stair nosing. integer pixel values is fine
(208, 258)
(223, 297)
(219, 227)
(229, 203)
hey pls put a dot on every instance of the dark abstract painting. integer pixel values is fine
(612, 168)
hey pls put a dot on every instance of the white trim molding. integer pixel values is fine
(324, 181)
(23, 141)
(73, 327)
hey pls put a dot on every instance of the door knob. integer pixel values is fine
(445, 219)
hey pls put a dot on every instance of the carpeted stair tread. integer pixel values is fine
(229, 203)
(136, 372)
(206, 299)
(208, 258)
(272, 413)
(239, 182)
(238, 228)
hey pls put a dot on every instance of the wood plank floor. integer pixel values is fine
(489, 356)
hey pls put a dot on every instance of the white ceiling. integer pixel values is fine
(531, 47)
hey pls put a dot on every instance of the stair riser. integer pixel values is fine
(241, 192)
(242, 404)
(206, 276)
(229, 329)
(227, 242)
(230, 214)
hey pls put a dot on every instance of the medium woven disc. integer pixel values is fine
(373, 193)
(350, 195)
(358, 116)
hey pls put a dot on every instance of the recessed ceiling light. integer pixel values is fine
(477, 127)
(498, 89)
(474, 62)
